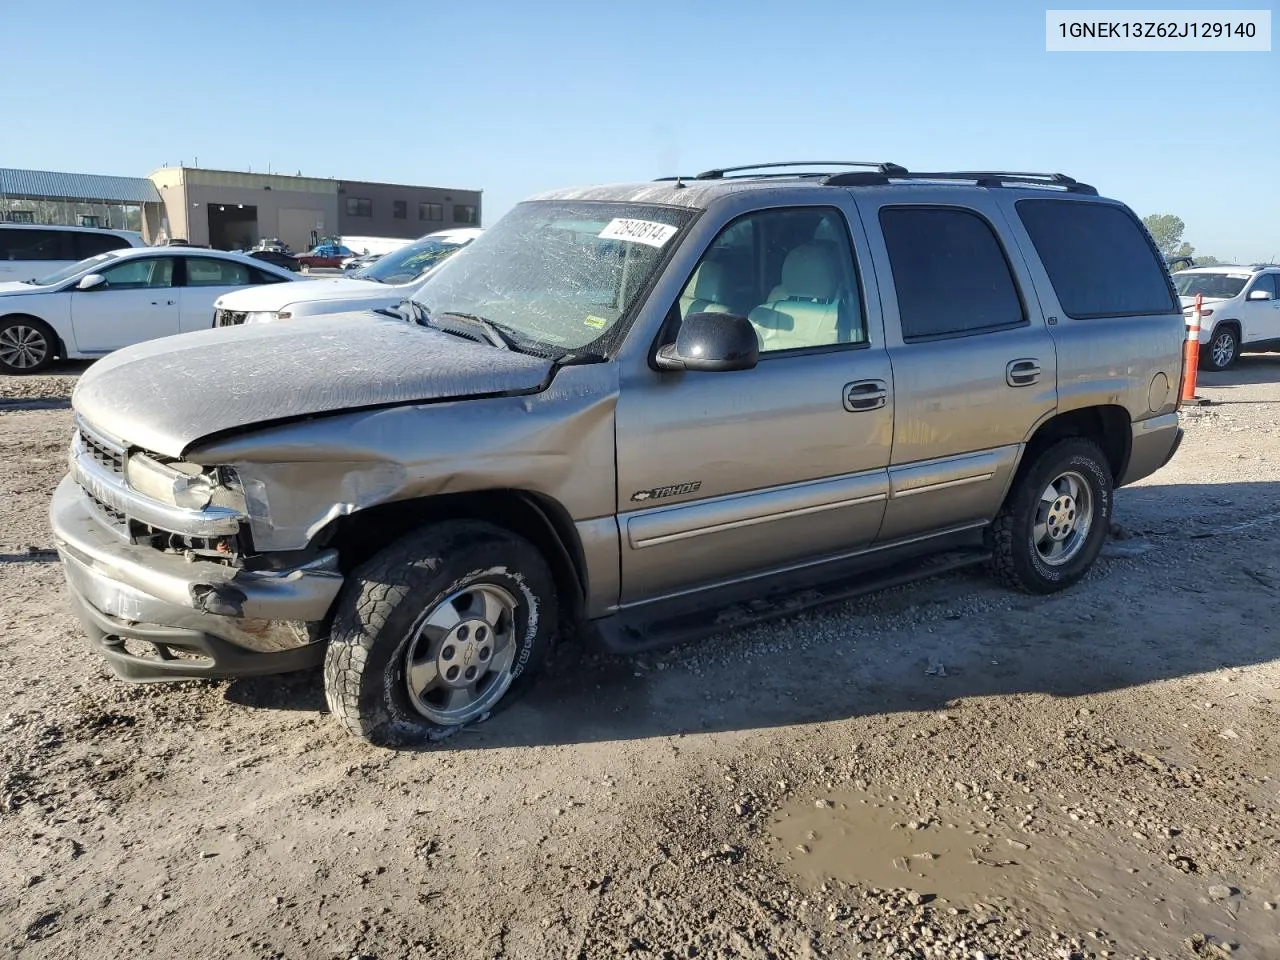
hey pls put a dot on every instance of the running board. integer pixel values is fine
(668, 623)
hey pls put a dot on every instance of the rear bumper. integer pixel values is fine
(157, 616)
(1154, 442)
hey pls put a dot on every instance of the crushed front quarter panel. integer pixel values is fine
(558, 443)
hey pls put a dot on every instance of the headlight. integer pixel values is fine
(185, 485)
(264, 316)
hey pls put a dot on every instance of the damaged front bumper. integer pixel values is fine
(158, 616)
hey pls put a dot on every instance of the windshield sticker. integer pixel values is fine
(598, 322)
(638, 231)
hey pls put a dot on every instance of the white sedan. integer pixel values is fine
(119, 298)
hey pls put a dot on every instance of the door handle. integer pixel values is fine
(167, 303)
(1022, 373)
(865, 395)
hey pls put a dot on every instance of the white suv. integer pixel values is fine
(1241, 309)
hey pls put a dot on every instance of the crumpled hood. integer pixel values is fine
(274, 296)
(166, 394)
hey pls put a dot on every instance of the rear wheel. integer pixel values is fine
(1052, 526)
(437, 631)
(1222, 351)
(27, 345)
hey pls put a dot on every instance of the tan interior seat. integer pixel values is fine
(706, 291)
(804, 310)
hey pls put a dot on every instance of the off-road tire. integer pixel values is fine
(364, 668)
(1207, 360)
(1015, 561)
(52, 346)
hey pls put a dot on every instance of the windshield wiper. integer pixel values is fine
(493, 334)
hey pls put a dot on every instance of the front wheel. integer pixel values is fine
(437, 631)
(26, 345)
(1222, 351)
(1053, 524)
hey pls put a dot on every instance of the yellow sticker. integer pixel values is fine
(598, 322)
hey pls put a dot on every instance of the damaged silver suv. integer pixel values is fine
(642, 412)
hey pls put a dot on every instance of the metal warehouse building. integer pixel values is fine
(230, 209)
(77, 199)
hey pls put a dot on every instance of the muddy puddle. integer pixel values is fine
(1056, 877)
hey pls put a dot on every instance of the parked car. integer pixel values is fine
(118, 298)
(392, 279)
(28, 251)
(1241, 309)
(354, 264)
(273, 243)
(637, 411)
(277, 257)
(325, 255)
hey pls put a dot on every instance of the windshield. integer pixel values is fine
(66, 273)
(411, 261)
(1214, 286)
(558, 273)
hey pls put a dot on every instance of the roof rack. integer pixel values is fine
(981, 178)
(720, 172)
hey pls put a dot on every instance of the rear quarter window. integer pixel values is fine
(91, 244)
(1099, 258)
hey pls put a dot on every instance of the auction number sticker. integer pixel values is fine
(638, 231)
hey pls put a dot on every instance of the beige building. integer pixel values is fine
(231, 210)
(234, 210)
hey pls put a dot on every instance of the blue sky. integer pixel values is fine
(514, 97)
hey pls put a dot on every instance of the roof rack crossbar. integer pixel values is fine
(719, 172)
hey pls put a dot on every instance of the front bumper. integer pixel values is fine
(158, 616)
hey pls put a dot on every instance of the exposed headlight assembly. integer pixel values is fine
(186, 485)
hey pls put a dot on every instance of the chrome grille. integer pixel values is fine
(108, 514)
(103, 451)
(228, 318)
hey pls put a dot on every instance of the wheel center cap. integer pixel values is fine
(1061, 518)
(466, 652)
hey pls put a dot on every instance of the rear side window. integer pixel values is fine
(950, 273)
(22, 244)
(261, 276)
(1099, 258)
(207, 272)
(88, 245)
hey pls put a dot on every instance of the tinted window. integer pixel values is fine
(1269, 282)
(1099, 258)
(464, 213)
(22, 244)
(949, 271)
(399, 209)
(204, 272)
(359, 207)
(261, 276)
(1212, 286)
(91, 244)
(430, 211)
(790, 272)
(140, 274)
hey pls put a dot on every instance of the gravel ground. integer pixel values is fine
(944, 770)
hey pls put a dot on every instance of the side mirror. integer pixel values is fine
(1259, 295)
(91, 282)
(712, 342)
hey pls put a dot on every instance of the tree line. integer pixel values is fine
(1166, 230)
